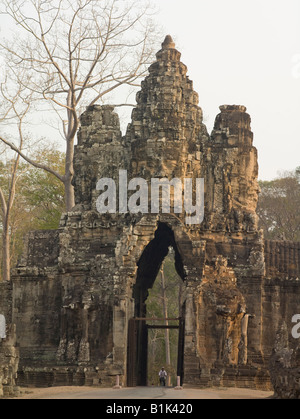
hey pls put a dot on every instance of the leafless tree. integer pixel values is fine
(15, 106)
(74, 52)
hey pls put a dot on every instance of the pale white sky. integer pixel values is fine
(244, 53)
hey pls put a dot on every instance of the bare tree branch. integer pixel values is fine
(3, 203)
(32, 162)
(73, 54)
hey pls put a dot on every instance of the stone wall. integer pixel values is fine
(282, 259)
(282, 297)
(284, 365)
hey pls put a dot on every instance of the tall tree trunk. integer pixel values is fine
(69, 194)
(165, 313)
(69, 173)
(5, 252)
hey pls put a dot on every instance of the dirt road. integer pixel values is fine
(141, 393)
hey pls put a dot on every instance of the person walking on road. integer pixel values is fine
(162, 376)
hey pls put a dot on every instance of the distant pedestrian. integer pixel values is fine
(162, 376)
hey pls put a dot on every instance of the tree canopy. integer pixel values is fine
(278, 207)
(38, 202)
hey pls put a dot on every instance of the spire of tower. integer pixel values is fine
(168, 43)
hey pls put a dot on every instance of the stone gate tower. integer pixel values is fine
(79, 294)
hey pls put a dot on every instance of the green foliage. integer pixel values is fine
(43, 192)
(278, 207)
(172, 286)
(39, 197)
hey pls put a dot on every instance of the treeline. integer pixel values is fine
(32, 199)
(278, 207)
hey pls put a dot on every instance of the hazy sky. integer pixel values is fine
(245, 53)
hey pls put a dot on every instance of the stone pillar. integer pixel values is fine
(120, 331)
(9, 361)
(167, 130)
(100, 153)
(84, 348)
(232, 172)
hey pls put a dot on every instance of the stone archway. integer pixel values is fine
(139, 253)
(150, 263)
(148, 267)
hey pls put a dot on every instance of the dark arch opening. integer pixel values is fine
(149, 265)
